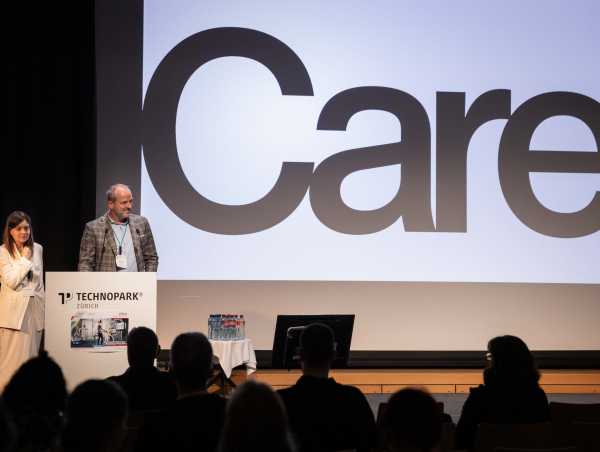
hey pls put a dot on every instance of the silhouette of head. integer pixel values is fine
(511, 362)
(317, 346)
(191, 361)
(24, 391)
(37, 408)
(255, 420)
(412, 421)
(96, 417)
(142, 347)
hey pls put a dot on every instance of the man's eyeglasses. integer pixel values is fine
(488, 356)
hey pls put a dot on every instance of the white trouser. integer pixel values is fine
(18, 346)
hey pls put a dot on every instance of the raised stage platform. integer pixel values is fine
(442, 381)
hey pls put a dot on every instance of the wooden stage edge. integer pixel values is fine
(436, 381)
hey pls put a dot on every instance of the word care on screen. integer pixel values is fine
(346, 141)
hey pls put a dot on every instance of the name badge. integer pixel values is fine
(121, 261)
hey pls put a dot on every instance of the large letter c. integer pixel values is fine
(159, 118)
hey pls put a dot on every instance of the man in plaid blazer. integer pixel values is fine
(104, 248)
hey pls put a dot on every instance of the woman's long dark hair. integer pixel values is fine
(512, 363)
(14, 220)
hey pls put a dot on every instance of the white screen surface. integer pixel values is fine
(409, 290)
(234, 130)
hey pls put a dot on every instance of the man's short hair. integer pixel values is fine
(142, 346)
(317, 344)
(191, 360)
(412, 419)
(110, 193)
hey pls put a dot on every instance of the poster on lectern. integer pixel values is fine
(89, 316)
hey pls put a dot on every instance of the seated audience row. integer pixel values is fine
(316, 414)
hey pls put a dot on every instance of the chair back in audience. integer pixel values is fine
(567, 413)
(527, 436)
(577, 423)
(381, 410)
(586, 436)
(448, 440)
(556, 449)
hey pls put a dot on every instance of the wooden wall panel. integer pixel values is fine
(443, 381)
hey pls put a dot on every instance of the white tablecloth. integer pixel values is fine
(235, 353)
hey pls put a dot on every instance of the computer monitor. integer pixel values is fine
(287, 338)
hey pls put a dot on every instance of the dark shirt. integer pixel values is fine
(325, 415)
(147, 388)
(500, 405)
(192, 423)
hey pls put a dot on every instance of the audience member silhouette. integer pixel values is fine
(325, 415)
(255, 420)
(35, 398)
(510, 394)
(8, 432)
(195, 420)
(411, 423)
(96, 417)
(146, 387)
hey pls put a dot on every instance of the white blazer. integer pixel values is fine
(17, 289)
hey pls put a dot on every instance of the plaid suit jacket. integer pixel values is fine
(98, 248)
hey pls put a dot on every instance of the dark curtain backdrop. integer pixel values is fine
(48, 152)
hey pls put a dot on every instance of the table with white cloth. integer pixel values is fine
(234, 353)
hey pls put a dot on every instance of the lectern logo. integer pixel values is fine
(65, 297)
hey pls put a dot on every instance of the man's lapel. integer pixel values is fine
(137, 244)
(110, 236)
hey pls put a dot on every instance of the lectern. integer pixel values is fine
(88, 317)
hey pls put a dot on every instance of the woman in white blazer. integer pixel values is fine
(21, 295)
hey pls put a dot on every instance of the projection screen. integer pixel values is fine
(431, 167)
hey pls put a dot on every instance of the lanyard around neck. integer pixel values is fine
(120, 242)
